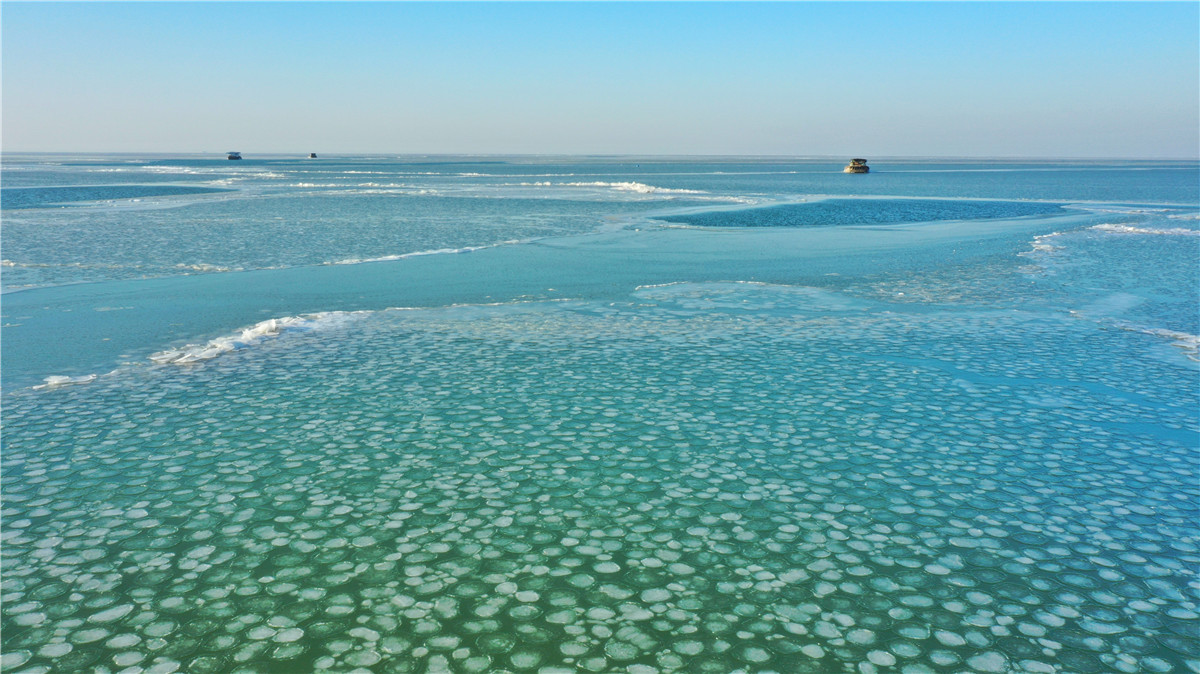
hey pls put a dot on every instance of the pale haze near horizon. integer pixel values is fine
(852, 79)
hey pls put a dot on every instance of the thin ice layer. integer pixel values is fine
(837, 212)
(709, 477)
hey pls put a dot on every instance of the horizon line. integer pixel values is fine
(839, 157)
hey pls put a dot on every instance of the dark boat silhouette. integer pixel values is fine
(857, 166)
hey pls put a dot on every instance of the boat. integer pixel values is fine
(312, 155)
(233, 155)
(857, 166)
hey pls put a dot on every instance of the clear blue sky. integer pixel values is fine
(851, 78)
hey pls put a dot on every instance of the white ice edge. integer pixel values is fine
(421, 253)
(1127, 229)
(254, 334)
(55, 381)
(1189, 343)
(640, 188)
(1042, 243)
(274, 327)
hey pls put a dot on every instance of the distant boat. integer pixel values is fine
(857, 166)
(234, 155)
(312, 155)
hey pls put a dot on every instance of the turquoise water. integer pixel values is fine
(611, 415)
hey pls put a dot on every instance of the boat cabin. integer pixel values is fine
(857, 166)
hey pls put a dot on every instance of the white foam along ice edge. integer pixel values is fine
(1127, 229)
(421, 253)
(1043, 243)
(55, 381)
(640, 188)
(254, 334)
(1190, 344)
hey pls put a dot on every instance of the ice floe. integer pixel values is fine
(253, 335)
(675, 483)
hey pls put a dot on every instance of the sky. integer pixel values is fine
(1012, 79)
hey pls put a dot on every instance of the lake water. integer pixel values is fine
(547, 414)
